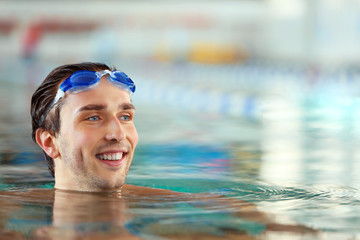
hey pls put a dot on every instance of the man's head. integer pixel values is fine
(88, 137)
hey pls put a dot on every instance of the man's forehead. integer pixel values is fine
(96, 99)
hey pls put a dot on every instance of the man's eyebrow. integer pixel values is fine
(91, 107)
(126, 106)
(99, 107)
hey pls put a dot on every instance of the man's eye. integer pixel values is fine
(125, 117)
(93, 118)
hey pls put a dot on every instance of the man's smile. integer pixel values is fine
(112, 158)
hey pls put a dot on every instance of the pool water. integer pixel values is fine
(297, 166)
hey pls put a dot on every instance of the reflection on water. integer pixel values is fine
(298, 164)
(133, 214)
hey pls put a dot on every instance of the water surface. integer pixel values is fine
(298, 165)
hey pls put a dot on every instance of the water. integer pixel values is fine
(297, 164)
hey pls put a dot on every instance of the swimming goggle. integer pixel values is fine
(85, 80)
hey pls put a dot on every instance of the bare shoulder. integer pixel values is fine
(30, 195)
(140, 191)
(147, 191)
(29, 192)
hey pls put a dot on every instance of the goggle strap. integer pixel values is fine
(59, 95)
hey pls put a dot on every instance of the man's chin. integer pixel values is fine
(93, 183)
(108, 186)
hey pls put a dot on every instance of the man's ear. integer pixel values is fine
(47, 142)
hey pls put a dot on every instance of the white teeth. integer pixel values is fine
(111, 157)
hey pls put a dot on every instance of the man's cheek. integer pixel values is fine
(83, 141)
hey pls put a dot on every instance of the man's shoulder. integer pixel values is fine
(148, 191)
(30, 195)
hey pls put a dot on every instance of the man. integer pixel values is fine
(82, 118)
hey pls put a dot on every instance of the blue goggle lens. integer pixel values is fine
(121, 77)
(83, 78)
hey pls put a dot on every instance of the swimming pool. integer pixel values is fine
(297, 162)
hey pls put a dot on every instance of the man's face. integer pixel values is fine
(97, 139)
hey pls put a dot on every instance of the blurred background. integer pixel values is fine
(256, 99)
(277, 76)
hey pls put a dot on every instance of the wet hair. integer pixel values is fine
(44, 96)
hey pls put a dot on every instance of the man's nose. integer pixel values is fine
(115, 131)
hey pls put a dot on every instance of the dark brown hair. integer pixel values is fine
(44, 96)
